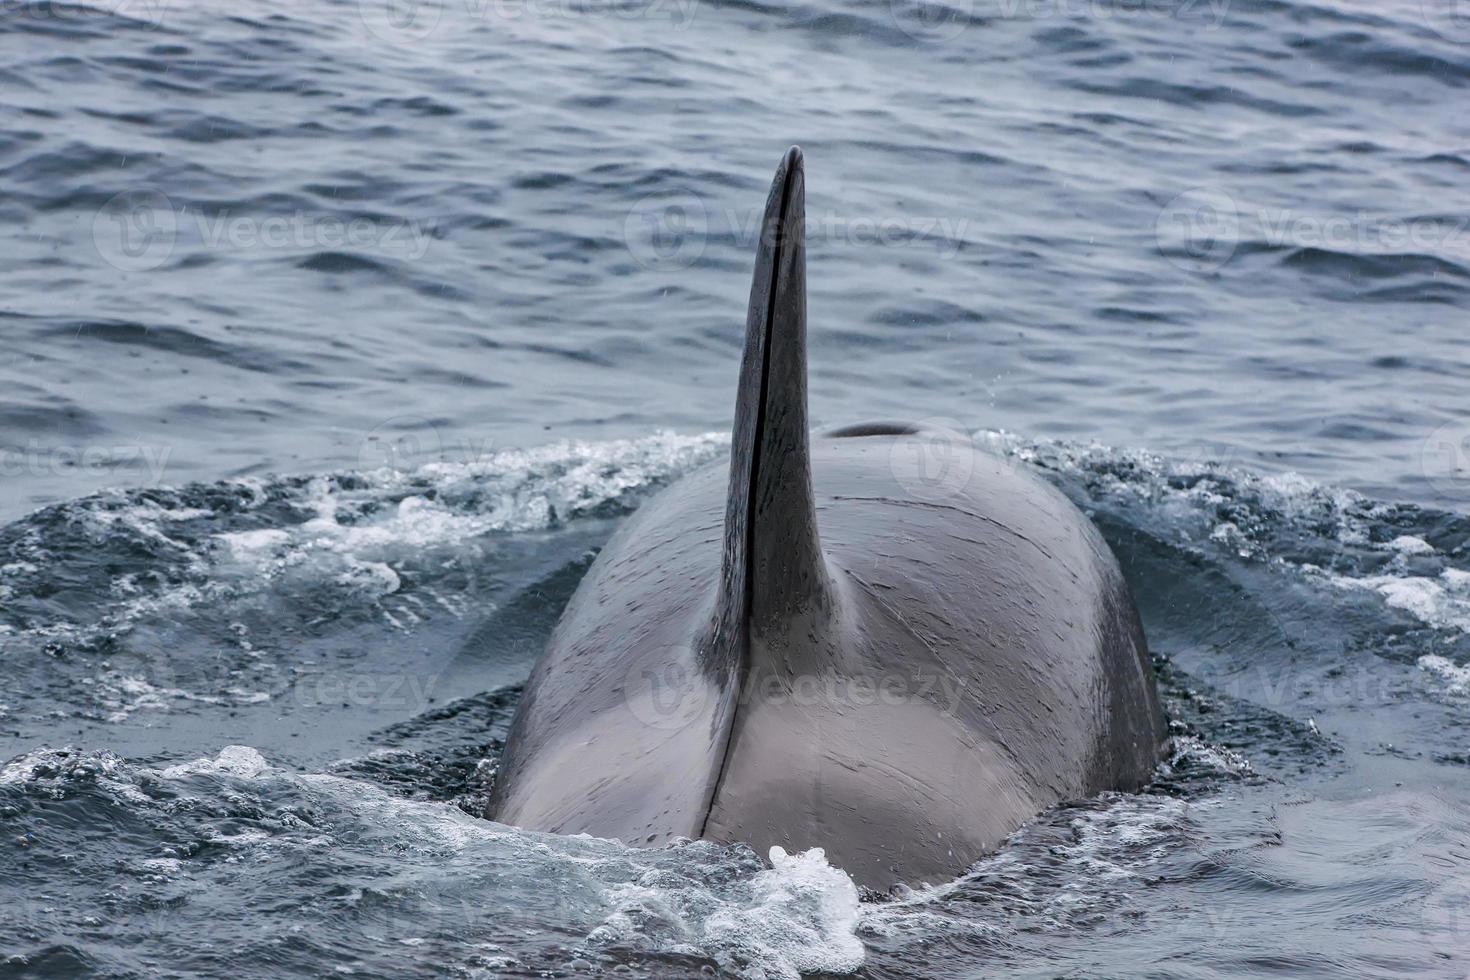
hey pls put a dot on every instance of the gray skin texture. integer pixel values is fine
(882, 641)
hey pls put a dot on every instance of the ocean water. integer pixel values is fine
(339, 336)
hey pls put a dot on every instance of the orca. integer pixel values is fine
(836, 641)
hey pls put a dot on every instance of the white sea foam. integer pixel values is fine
(355, 533)
(246, 544)
(1408, 544)
(1189, 750)
(361, 528)
(444, 503)
(1120, 842)
(1442, 601)
(122, 694)
(799, 915)
(1107, 848)
(1203, 501)
(1199, 499)
(1455, 677)
(233, 760)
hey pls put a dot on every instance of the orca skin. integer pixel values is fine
(836, 641)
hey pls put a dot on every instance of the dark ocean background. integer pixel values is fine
(338, 335)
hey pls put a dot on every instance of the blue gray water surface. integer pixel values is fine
(337, 336)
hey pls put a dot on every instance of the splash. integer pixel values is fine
(95, 590)
(427, 878)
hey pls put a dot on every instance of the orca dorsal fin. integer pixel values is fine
(773, 563)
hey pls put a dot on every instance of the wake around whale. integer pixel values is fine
(831, 642)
